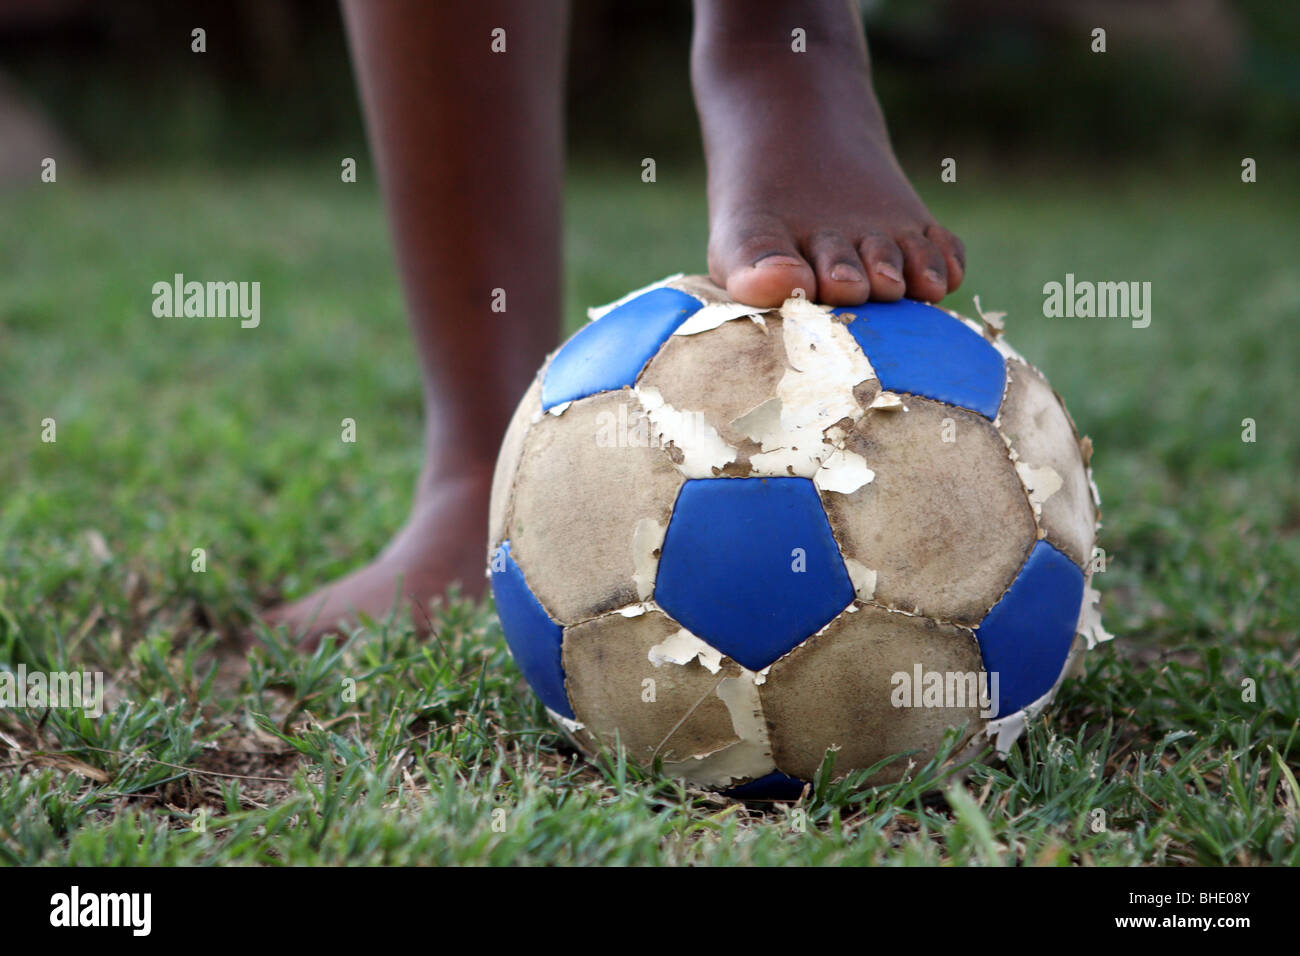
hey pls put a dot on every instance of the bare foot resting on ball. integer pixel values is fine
(804, 193)
(804, 189)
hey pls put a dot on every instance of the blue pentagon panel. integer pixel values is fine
(1026, 636)
(919, 349)
(533, 637)
(773, 786)
(609, 353)
(728, 571)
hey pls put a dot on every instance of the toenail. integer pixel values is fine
(843, 272)
(889, 272)
(780, 261)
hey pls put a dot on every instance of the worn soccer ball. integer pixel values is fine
(734, 538)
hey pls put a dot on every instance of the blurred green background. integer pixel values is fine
(1014, 80)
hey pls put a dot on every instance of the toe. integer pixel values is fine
(953, 251)
(763, 268)
(884, 261)
(840, 276)
(923, 268)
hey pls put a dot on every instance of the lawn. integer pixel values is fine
(177, 434)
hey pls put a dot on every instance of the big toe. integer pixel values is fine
(763, 269)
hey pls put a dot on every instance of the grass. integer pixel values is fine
(176, 434)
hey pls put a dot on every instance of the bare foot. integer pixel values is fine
(804, 189)
(441, 543)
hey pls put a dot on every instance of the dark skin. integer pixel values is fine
(804, 193)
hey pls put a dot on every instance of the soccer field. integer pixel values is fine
(1180, 745)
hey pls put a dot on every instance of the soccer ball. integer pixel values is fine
(734, 538)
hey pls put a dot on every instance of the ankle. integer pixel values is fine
(730, 37)
(445, 476)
